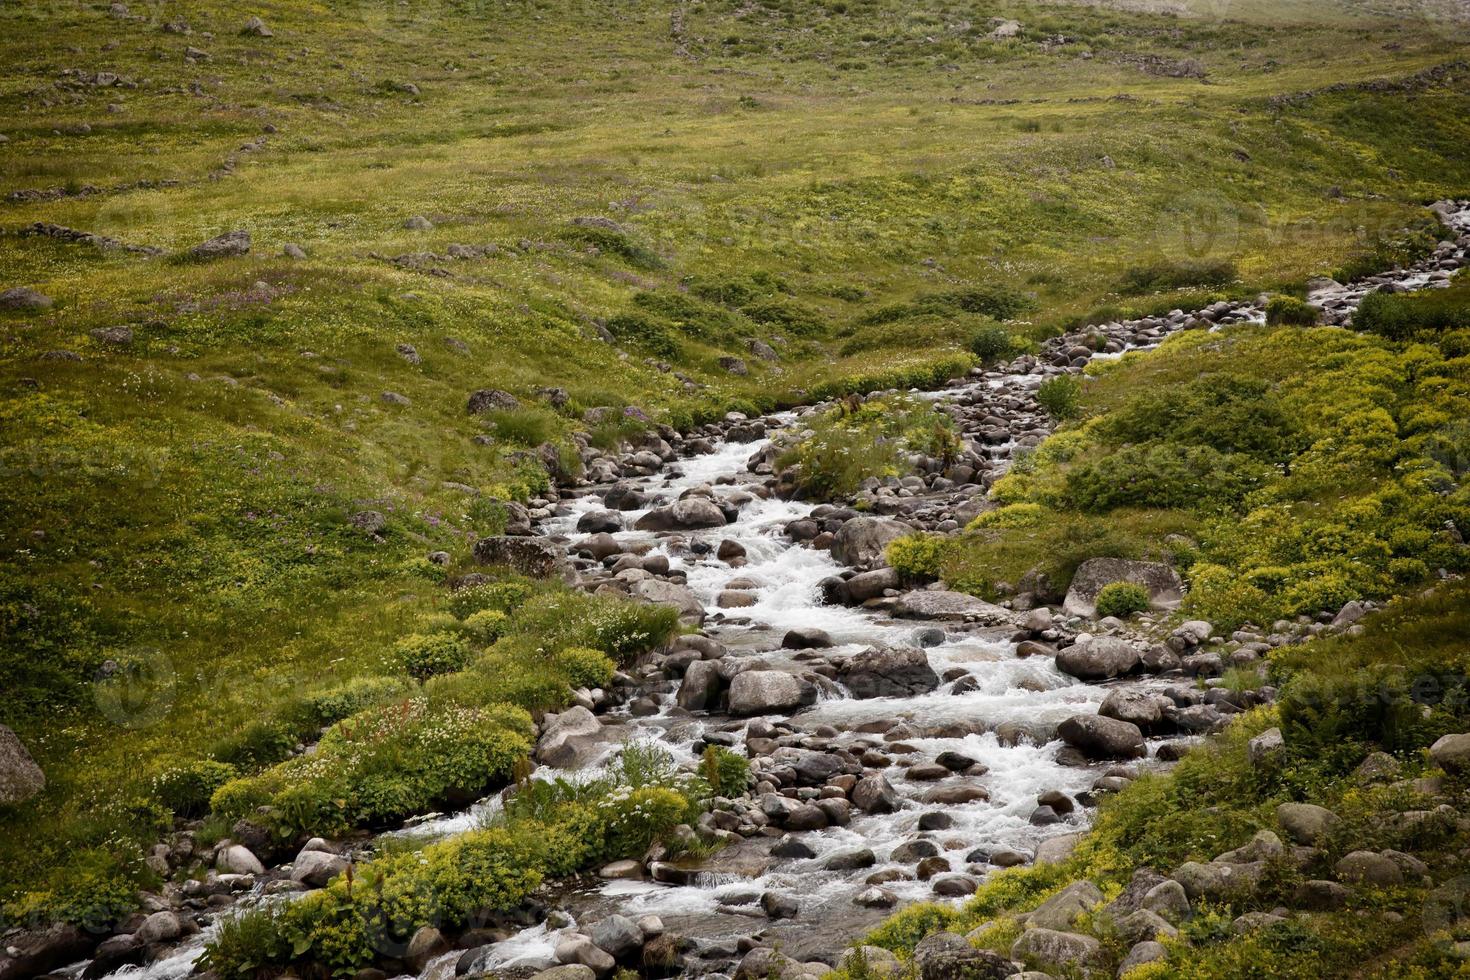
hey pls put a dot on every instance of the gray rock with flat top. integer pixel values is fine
(1165, 591)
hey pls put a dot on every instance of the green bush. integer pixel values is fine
(1290, 311)
(728, 773)
(487, 625)
(1061, 396)
(618, 243)
(186, 789)
(641, 330)
(350, 697)
(504, 596)
(1404, 316)
(424, 655)
(852, 443)
(918, 556)
(259, 743)
(523, 426)
(1168, 275)
(1121, 599)
(1164, 476)
(991, 343)
(584, 667)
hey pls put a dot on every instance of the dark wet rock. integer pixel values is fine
(1098, 658)
(1102, 738)
(896, 671)
(874, 794)
(536, 557)
(806, 638)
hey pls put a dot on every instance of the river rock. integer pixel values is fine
(160, 927)
(946, 956)
(666, 593)
(1165, 591)
(578, 949)
(316, 868)
(596, 521)
(616, 935)
(869, 585)
(935, 604)
(1102, 738)
(111, 954)
(1144, 952)
(763, 692)
(1142, 708)
(1098, 658)
(1060, 951)
(567, 971)
(806, 638)
(43, 950)
(875, 794)
(1065, 907)
(763, 963)
(566, 732)
(20, 777)
(700, 689)
(536, 557)
(689, 514)
(239, 860)
(1306, 823)
(890, 671)
(862, 541)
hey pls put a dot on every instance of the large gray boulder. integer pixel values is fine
(1062, 952)
(1098, 658)
(1452, 753)
(1064, 908)
(875, 794)
(946, 956)
(536, 557)
(20, 777)
(1165, 591)
(668, 593)
(1305, 823)
(1102, 738)
(228, 245)
(764, 692)
(700, 689)
(689, 514)
(491, 399)
(24, 298)
(884, 672)
(565, 734)
(936, 604)
(316, 868)
(862, 541)
(870, 585)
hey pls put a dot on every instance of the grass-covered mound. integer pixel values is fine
(1286, 470)
(1393, 690)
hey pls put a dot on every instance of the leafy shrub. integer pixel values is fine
(91, 888)
(917, 556)
(991, 343)
(617, 243)
(504, 596)
(1403, 316)
(1164, 476)
(1061, 396)
(424, 655)
(727, 773)
(185, 789)
(1167, 275)
(1011, 515)
(487, 625)
(1290, 311)
(584, 667)
(1121, 599)
(621, 629)
(1229, 412)
(644, 331)
(259, 743)
(850, 444)
(803, 321)
(691, 316)
(997, 302)
(350, 697)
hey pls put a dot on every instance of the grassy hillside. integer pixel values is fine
(178, 558)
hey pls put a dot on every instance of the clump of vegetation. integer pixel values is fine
(1289, 311)
(857, 441)
(185, 789)
(991, 343)
(422, 656)
(1061, 396)
(1414, 316)
(1166, 275)
(1121, 599)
